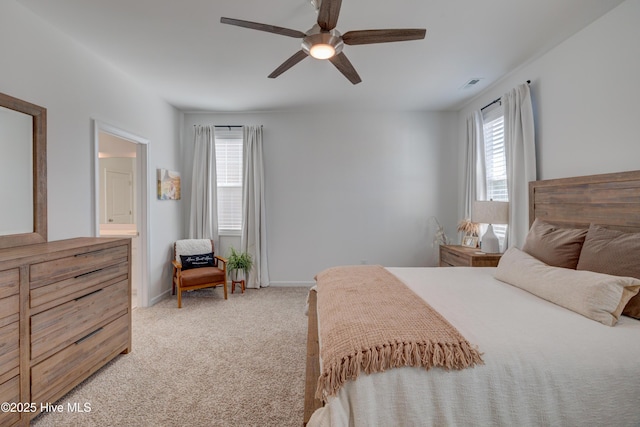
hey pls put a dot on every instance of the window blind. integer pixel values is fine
(495, 161)
(229, 178)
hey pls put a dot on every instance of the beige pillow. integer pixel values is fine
(554, 245)
(599, 297)
(613, 252)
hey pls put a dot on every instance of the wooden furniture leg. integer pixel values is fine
(237, 282)
(313, 361)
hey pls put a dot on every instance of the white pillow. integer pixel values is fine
(192, 247)
(598, 296)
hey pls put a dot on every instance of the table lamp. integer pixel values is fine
(490, 212)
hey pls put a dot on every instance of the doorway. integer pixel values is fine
(121, 198)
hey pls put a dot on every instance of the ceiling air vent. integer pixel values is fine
(471, 83)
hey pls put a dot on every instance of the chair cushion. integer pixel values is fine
(201, 276)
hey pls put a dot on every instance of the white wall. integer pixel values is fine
(586, 99)
(347, 187)
(41, 65)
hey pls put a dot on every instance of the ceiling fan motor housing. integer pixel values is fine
(317, 37)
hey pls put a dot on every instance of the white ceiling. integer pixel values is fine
(182, 51)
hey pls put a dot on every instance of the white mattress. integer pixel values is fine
(544, 365)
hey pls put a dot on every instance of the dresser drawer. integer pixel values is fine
(10, 392)
(59, 269)
(450, 258)
(51, 378)
(54, 329)
(45, 297)
(461, 256)
(9, 282)
(9, 348)
(10, 308)
(9, 298)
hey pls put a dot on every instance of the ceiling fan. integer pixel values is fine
(323, 41)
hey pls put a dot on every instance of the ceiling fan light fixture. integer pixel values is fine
(322, 45)
(322, 51)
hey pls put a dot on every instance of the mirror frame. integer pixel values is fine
(39, 124)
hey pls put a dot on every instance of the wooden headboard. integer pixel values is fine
(611, 200)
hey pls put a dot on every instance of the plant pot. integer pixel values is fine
(239, 274)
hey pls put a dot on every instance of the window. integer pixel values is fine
(495, 161)
(229, 177)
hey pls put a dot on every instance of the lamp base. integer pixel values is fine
(490, 243)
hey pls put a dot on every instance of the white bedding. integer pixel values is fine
(544, 365)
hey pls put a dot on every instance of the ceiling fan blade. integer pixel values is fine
(344, 66)
(328, 14)
(264, 27)
(293, 60)
(383, 36)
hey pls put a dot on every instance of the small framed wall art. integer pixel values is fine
(168, 185)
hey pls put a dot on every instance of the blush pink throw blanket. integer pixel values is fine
(370, 321)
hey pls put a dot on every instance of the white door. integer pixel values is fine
(119, 197)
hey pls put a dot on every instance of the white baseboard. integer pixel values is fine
(307, 284)
(160, 297)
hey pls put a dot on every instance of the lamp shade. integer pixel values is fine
(490, 212)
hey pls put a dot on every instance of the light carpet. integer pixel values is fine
(238, 362)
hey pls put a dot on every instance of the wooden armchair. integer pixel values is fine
(202, 269)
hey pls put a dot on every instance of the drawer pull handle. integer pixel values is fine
(88, 253)
(86, 337)
(88, 295)
(88, 273)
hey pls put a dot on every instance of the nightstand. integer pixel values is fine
(462, 256)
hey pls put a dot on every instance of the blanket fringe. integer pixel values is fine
(396, 354)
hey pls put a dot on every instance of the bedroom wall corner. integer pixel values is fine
(585, 99)
(46, 67)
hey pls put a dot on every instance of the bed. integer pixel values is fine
(549, 357)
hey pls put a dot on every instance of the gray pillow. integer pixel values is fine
(613, 252)
(553, 245)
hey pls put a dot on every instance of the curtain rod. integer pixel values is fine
(224, 126)
(230, 126)
(497, 100)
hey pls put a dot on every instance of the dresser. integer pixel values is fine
(462, 256)
(65, 311)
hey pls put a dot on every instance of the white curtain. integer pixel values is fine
(475, 187)
(254, 224)
(203, 218)
(520, 151)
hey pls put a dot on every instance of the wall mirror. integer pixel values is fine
(23, 172)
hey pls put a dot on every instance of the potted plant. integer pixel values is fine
(237, 261)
